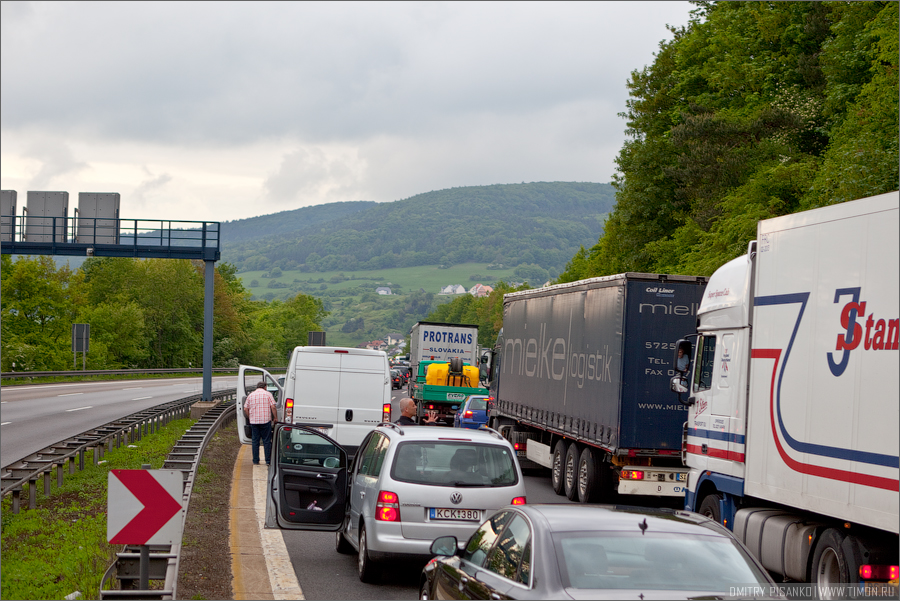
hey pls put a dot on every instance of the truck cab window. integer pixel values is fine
(705, 362)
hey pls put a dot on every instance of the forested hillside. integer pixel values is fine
(754, 110)
(540, 223)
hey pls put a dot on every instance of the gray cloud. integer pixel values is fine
(56, 159)
(348, 101)
(149, 186)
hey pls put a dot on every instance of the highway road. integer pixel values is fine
(33, 417)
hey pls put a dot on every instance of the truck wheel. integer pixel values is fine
(570, 472)
(557, 469)
(833, 562)
(588, 477)
(710, 507)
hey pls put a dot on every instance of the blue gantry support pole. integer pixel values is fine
(209, 293)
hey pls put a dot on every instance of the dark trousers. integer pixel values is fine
(261, 432)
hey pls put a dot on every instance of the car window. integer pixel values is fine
(483, 539)
(478, 405)
(454, 463)
(507, 554)
(299, 447)
(661, 561)
(373, 455)
(705, 364)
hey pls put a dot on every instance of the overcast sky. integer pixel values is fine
(217, 111)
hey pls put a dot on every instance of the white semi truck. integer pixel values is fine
(792, 431)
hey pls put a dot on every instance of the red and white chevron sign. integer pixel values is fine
(144, 507)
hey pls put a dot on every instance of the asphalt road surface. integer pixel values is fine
(33, 417)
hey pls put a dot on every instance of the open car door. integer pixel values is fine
(248, 377)
(307, 480)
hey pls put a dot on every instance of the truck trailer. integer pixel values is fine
(792, 435)
(579, 381)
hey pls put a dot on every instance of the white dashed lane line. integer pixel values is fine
(141, 398)
(79, 409)
(5, 423)
(71, 394)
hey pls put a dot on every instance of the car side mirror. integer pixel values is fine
(445, 545)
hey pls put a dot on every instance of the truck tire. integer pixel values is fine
(570, 472)
(557, 468)
(834, 561)
(588, 477)
(710, 507)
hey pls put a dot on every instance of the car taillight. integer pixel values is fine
(468, 414)
(518, 501)
(387, 509)
(869, 572)
(386, 412)
(289, 410)
(632, 475)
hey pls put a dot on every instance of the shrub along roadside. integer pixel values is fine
(60, 547)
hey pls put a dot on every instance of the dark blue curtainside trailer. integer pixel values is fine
(580, 382)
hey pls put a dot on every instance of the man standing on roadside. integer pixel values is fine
(261, 415)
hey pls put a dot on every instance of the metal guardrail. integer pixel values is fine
(185, 456)
(123, 372)
(165, 560)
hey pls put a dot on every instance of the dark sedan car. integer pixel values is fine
(592, 552)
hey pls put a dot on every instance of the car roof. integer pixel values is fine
(436, 433)
(621, 518)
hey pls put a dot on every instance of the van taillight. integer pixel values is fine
(520, 446)
(289, 410)
(387, 509)
(386, 412)
(518, 501)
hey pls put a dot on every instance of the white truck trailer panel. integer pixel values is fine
(825, 386)
(443, 342)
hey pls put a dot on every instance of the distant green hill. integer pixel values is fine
(542, 223)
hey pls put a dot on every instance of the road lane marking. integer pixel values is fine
(71, 394)
(80, 408)
(141, 398)
(138, 388)
(5, 423)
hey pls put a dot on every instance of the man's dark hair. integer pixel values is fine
(260, 384)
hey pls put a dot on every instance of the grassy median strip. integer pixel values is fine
(60, 547)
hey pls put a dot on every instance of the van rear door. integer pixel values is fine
(365, 389)
(248, 377)
(315, 391)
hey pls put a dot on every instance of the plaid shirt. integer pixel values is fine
(258, 404)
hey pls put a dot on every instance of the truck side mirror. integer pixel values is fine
(678, 384)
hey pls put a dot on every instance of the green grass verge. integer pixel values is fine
(60, 547)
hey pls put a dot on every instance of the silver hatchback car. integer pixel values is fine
(406, 486)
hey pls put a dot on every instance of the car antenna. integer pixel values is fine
(643, 527)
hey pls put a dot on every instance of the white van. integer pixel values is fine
(344, 392)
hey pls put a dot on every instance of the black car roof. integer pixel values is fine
(621, 518)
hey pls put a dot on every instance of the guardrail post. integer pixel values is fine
(32, 493)
(59, 473)
(95, 452)
(47, 483)
(81, 459)
(16, 497)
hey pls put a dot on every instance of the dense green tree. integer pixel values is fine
(753, 110)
